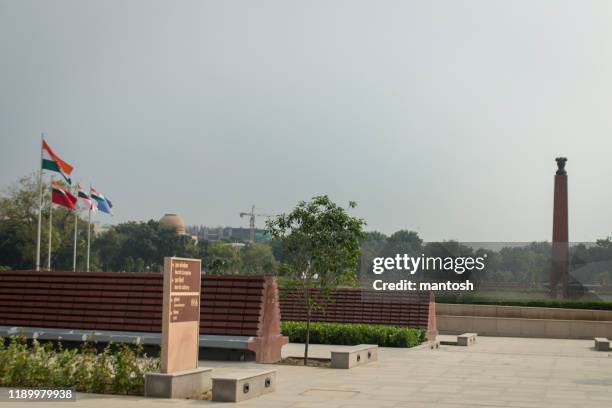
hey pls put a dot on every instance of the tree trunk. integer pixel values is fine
(307, 336)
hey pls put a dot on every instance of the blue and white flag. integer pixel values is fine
(102, 202)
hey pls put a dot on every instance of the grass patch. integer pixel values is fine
(563, 304)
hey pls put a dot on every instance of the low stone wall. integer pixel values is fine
(517, 321)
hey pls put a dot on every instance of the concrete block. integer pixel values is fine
(602, 344)
(511, 312)
(508, 327)
(485, 311)
(532, 328)
(558, 329)
(358, 355)
(466, 339)
(182, 384)
(242, 385)
(486, 326)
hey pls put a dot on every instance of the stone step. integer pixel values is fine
(242, 385)
(602, 344)
(357, 355)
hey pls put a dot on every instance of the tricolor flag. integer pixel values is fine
(84, 200)
(62, 197)
(102, 203)
(52, 162)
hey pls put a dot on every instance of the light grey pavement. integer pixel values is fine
(496, 372)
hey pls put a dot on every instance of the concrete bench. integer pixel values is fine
(241, 385)
(357, 355)
(466, 339)
(602, 344)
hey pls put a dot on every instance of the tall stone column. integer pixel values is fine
(559, 273)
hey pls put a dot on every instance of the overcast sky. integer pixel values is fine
(440, 116)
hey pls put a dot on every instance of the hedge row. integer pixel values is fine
(564, 304)
(353, 334)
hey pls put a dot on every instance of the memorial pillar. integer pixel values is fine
(559, 273)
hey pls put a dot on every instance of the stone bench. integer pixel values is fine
(241, 385)
(184, 384)
(357, 355)
(602, 344)
(466, 339)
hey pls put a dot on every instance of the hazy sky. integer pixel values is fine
(439, 116)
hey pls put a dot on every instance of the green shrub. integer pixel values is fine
(564, 304)
(114, 370)
(352, 334)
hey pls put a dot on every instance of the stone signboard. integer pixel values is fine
(181, 314)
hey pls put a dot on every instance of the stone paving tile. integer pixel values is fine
(496, 372)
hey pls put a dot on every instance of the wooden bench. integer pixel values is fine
(347, 305)
(241, 385)
(354, 356)
(466, 339)
(602, 344)
(239, 315)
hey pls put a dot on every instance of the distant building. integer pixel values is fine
(176, 223)
(227, 233)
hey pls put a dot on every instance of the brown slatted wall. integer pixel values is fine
(95, 300)
(362, 306)
(230, 304)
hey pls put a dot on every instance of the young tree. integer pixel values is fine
(321, 243)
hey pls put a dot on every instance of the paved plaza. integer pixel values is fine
(496, 372)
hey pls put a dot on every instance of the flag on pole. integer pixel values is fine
(102, 202)
(52, 162)
(84, 200)
(62, 197)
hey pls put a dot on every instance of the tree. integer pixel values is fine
(19, 223)
(409, 238)
(321, 242)
(374, 236)
(221, 258)
(257, 259)
(140, 246)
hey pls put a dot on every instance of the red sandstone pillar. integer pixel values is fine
(559, 273)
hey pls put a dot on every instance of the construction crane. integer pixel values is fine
(252, 216)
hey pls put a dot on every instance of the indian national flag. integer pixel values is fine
(62, 197)
(52, 162)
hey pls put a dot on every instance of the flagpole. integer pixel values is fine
(50, 227)
(40, 201)
(88, 235)
(76, 220)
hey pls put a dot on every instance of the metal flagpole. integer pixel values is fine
(50, 227)
(76, 220)
(89, 229)
(40, 200)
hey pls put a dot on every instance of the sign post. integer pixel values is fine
(181, 314)
(180, 376)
